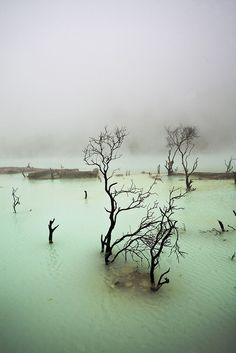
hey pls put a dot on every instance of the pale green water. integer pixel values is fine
(59, 298)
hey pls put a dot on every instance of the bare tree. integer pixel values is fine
(165, 236)
(16, 199)
(181, 139)
(229, 166)
(172, 151)
(130, 241)
(149, 242)
(156, 229)
(101, 152)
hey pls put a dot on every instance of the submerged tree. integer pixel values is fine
(51, 230)
(16, 199)
(161, 234)
(154, 232)
(181, 140)
(165, 236)
(101, 152)
(127, 243)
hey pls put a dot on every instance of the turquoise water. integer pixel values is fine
(61, 298)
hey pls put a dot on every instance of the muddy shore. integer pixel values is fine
(49, 173)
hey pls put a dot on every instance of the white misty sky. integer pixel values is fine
(68, 67)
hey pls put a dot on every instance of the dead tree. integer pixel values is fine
(51, 230)
(155, 234)
(130, 242)
(165, 236)
(229, 166)
(185, 153)
(172, 151)
(101, 152)
(181, 139)
(223, 229)
(16, 199)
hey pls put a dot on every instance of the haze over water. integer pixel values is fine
(62, 298)
(69, 68)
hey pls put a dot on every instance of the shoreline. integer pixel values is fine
(50, 173)
(60, 173)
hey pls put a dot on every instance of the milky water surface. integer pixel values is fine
(60, 298)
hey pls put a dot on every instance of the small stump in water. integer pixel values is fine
(51, 230)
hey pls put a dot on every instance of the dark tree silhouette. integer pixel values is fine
(156, 230)
(51, 230)
(229, 166)
(16, 199)
(136, 198)
(166, 235)
(181, 140)
(101, 152)
(162, 233)
(172, 151)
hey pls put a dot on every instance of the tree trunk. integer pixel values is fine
(108, 253)
(102, 244)
(107, 240)
(51, 230)
(50, 236)
(188, 182)
(152, 275)
(170, 164)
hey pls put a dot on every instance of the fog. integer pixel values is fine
(68, 68)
